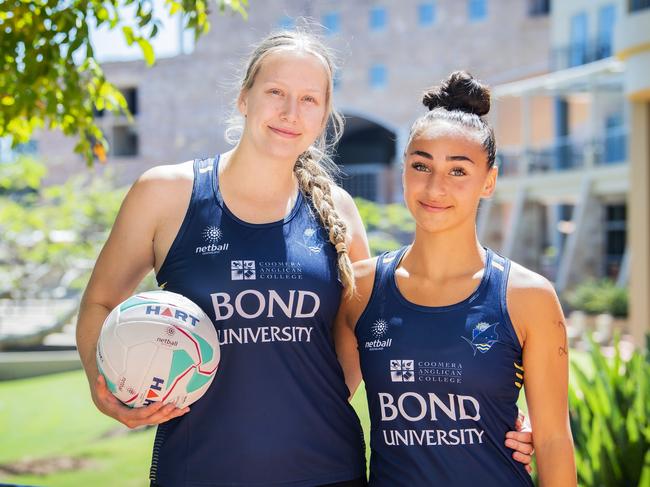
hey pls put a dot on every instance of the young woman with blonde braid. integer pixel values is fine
(262, 239)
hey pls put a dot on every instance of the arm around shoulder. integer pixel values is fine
(538, 318)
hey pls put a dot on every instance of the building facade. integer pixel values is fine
(572, 198)
(388, 53)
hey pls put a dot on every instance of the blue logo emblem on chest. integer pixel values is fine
(484, 336)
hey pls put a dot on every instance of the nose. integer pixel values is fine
(289, 110)
(436, 185)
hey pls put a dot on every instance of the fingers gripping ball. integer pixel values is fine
(158, 346)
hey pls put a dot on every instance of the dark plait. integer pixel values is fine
(460, 91)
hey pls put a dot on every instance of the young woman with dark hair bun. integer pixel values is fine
(446, 332)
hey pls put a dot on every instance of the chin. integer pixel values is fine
(277, 151)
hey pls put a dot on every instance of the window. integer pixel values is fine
(606, 20)
(578, 46)
(332, 23)
(286, 23)
(378, 76)
(125, 141)
(476, 10)
(615, 142)
(615, 238)
(377, 19)
(426, 14)
(131, 97)
(539, 7)
(638, 5)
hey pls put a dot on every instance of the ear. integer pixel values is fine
(242, 102)
(490, 182)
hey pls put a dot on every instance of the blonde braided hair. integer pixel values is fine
(316, 183)
(314, 168)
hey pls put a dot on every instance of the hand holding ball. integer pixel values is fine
(158, 346)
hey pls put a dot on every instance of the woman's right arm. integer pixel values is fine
(127, 256)
(346, 319)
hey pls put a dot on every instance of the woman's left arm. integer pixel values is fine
(538, 318)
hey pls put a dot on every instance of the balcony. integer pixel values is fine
(565, 154)
(577, 54)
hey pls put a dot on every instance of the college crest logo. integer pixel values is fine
(241, 270)
(484, 336)
(311, 241)
(402, 371)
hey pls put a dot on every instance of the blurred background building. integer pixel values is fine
(571, 89)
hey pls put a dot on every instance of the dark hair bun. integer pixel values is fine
(461, 91)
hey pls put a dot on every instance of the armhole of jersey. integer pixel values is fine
(503, 292)
(184, 225)
(376, 283)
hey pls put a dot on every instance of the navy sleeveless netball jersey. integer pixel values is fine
(442, 384)
(277, 412)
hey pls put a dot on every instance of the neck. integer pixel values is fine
(445, 255)
(247, 172)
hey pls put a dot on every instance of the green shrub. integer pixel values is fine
(388, 226)
(609, 410)
(595, 297)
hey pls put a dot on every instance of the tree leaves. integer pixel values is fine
(47, 232)
(49, 76)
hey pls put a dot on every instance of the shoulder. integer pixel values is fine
(343, 202)
(164, 183)
(531, 299)
(364, 272)
(159, 191)
(346, 208)
(364, 278)
(168, 173)
(528, 286)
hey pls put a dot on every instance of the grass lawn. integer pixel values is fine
(53, 416)
(59, 419)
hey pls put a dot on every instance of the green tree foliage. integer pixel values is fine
(609, 411)
(50, 236)
(388, 226)
(50, 77)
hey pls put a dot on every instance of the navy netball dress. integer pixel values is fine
(277, 413)
(442, 384)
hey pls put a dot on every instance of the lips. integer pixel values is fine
(287, 133)
(434, 207)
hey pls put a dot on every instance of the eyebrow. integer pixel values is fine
(278, 82)
(459, 158)
(426, 155)
(421, 153)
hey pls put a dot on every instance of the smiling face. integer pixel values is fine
(445, 175)
(286, 107)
